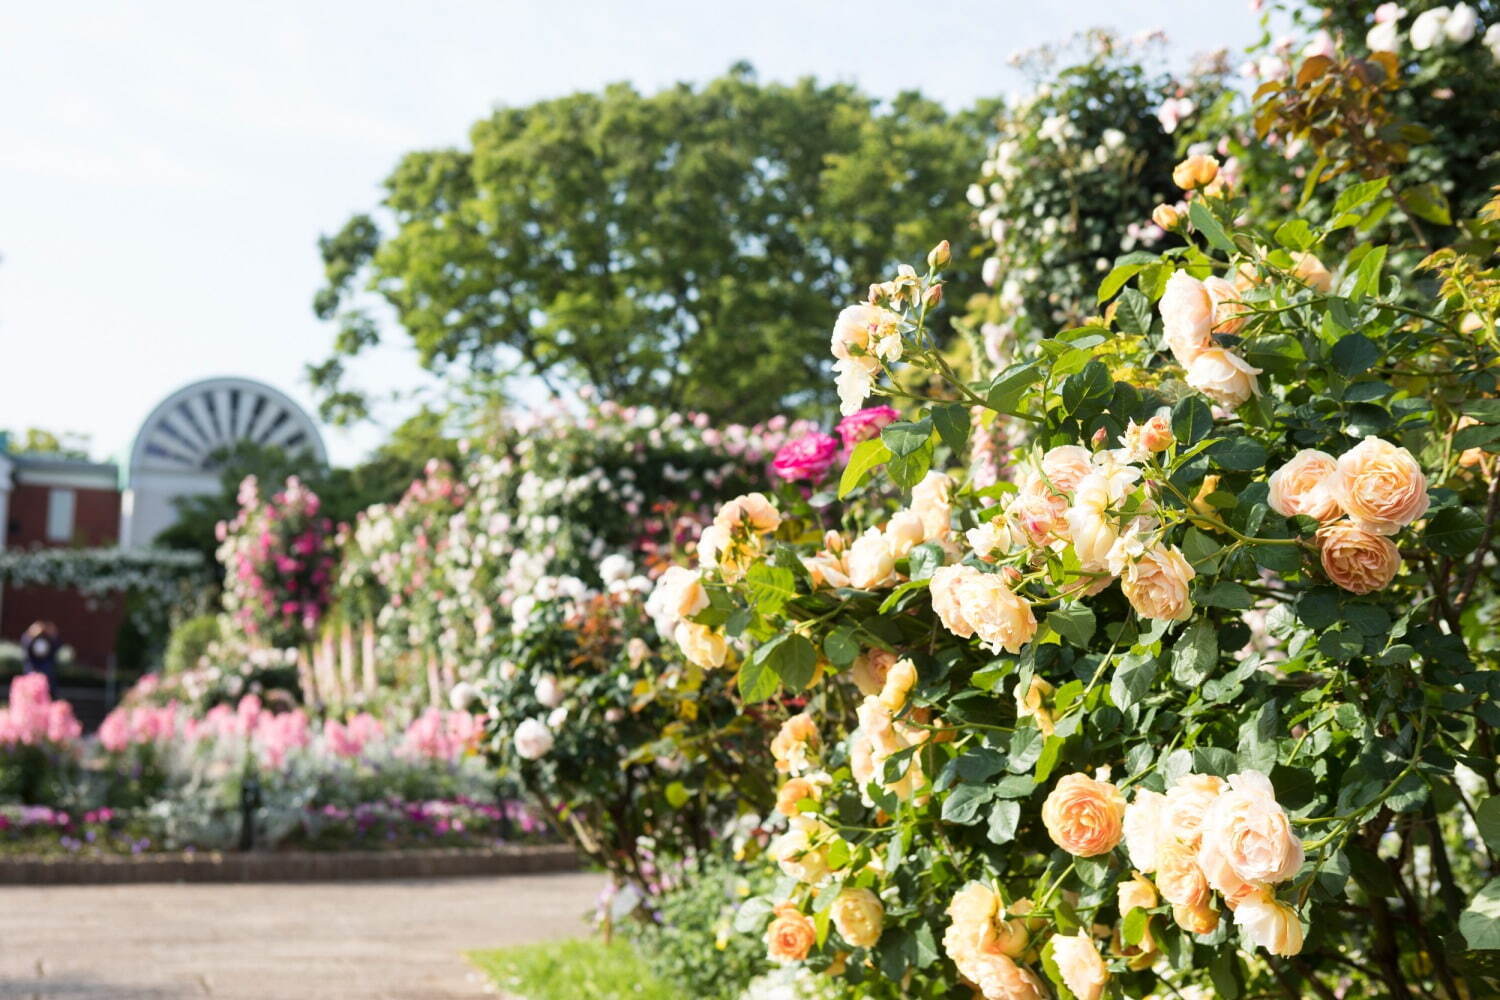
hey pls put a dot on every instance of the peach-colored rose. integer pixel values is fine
(790, 936)
(867, 331)
(1000, 978)
(1083, 816)
(993, 538)
(792, 741)
(1224, 377)
(1143, 828)
(1038, 515)
(794, 793)
(826, 569)
(904, 532)
(1136, 893)
(1079, 963)
(1357, 560)
(1178, 877)
(1202, 919)
(1156, 433)
(870, 669)
(898, 683)
(1380, 486)
(1166, 217)
(1188, 801)
(870, 561)
(799, 852)
(1305, 485)
(1032, 704)
(859, 917)
(751, 511)
(1198, 170)
(1156, 583)
(1000, 618)
(929, 501)
(1310, 271)
(944, 589)
(1271, 924)
(701, 644)
(1249, 829)
(1230, 312)
(1065, 465)
(1219, 873)
(679, 594)
(1187, 317)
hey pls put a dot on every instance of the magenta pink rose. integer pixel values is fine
(865, 424)
(809, 457)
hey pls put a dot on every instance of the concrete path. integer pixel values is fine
(389, 940)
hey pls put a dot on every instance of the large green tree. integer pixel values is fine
(685, 249)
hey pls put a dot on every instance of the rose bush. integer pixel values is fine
(1198, 696)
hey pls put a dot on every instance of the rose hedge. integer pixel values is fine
(1200, 698)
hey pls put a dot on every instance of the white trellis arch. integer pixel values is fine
(173, 452)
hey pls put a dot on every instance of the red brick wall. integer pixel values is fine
(88, 626)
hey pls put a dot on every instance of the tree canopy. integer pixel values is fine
(684, 249)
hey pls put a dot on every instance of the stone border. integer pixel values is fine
(287, 866)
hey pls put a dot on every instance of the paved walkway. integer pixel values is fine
(388, 940)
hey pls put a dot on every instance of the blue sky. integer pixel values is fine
(166, 168)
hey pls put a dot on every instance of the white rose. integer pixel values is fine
(1461, 24)
(1383, 38)
(1428, 28)
(1492, 40)
(548, 691)
(533, 739)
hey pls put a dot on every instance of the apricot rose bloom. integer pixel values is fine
(1187, 317)
(1203, 919)
(1156, 582)
(1380, 486)
(1230, 311)
(790, 745)
(1178, 877)
(701, 645)
(1198, 170)
(859, 917)
(793, 793)
(898, 683)
(1079, 963)
(1273, 925)
(870, 669)
(1188, 801)
(1250, 830)
(983, 942)
(1143, 828)
(1310, 271)
(1083, 816)
(790, 936)
(1355, 559)
(1224, 377)
(971, 602)
(1305, 485)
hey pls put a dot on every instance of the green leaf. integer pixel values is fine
(909, 470)
(1427, 201)
(1488, 818)
(840, 646)
(1367, 277)
(792, 658)
(1026, 746)
(1089, 391)
(952, 423)
(1480, 923)
(963, 804)
(755, 679)
(1192, 421)
(1010, 386)
(906, 437)
(1195, 654)
(770, 587)
(1134, 675)
(1257, 749)
(1486, 411)
(1074, 623)
(924, 560)
(1241, 453)
(1204, 221)
(865, 457)
(1004, 818)
(1133, 927)
(1354, 353)
(1476, 436)
(1226, 594)
(979, 764)
(1295, 234)
(1356, 195)
(1133, 314)
(1116, 278)
(677, 795)
(1224, 970)
(1454, 531)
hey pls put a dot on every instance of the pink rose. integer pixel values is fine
(809, 457)
(865, 424)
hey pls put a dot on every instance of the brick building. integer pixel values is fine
(47, 501)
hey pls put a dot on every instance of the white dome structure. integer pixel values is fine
(175, 453)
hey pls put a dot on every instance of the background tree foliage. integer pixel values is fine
(681, 249)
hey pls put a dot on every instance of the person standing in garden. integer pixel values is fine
(40, 645)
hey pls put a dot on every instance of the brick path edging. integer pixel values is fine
(287, 866)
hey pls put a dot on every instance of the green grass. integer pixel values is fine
(585, 969)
